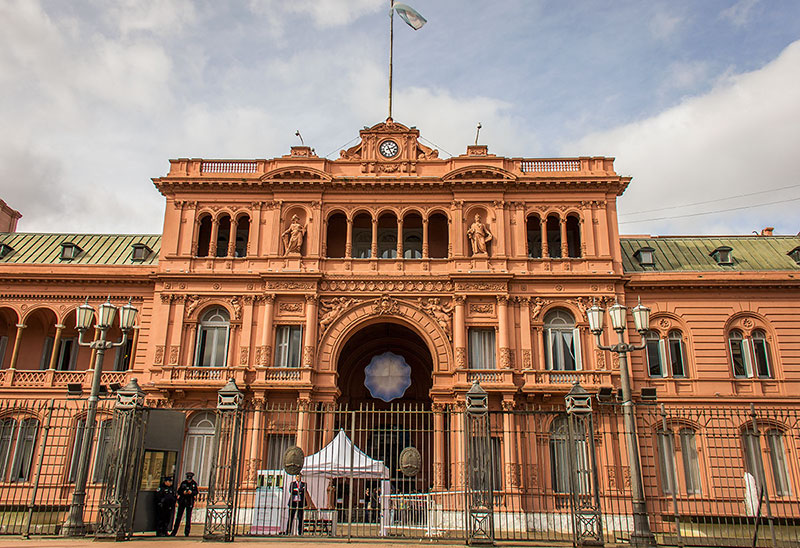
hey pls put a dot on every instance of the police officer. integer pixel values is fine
(187, 492)
(297, 502)
(165, 506)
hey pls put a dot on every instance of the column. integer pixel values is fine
(256, 435)
(188, 359)
(266, 332)
(233, 343)
(324, 251)
(310, 341)
(459, 333)
(458, 470)
(521, 234)
(247, 331)
(525, 332)
(212, 244)
(545, 247)
(499, 243)
(400, 238)
(348, 247)
(438, 446)
(374, 246)
(173, 352)
(135, 346)
(425, 238)
(540, 350)
(504, 350)
(509, 445)
(303, 409)
(56, 344)
(232, 239)
(564, 247)
(15, 351)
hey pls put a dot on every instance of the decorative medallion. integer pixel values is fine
(387, 377)
(410, 461)
(293, 460)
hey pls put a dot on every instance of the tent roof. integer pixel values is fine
(341, 458)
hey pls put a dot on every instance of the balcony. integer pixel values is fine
(216, 377)
(489, 379)
(23, 378)
(549, 381)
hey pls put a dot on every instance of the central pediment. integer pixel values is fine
(388, 147)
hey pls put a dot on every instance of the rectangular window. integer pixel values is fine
(123, 357)
(666, 454)
(103, 447)
(481, 348)
(653, 348)
(563, 349)
(80, 430)
(3, 345)
(676, 358)
(780, 469)
(198, 456)
(497, 463)
(761, 357)
(277, 445)
(288, 345)
(7, 427)
(23, 454)
(752, 454)
(67, 354)
(738, 357)
(47, 351)
(691, 463)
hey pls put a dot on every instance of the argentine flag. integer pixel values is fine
(410, 15)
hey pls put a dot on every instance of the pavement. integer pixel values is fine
(191, 542)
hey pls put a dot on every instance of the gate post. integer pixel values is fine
(222, 493)
(123, 465)
(587, 519)
(480, 471)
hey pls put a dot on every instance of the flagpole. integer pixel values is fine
(391, 52)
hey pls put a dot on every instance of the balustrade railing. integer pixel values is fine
(229, 166)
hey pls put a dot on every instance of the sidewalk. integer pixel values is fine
(191, 542)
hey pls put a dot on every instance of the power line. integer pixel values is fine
(711, 212)
(710, 201)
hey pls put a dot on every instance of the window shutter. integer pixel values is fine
(747, 356)
(47, 350)
(662, 353)
(576, 342)
(548, 349)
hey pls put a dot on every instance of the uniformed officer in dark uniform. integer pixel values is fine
(297, 502)
(165, 506)
(187, 492)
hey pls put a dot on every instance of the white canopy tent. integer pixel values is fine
(340, 459)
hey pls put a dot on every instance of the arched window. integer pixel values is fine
(336, 237)
(778, 469)
(103, 448)
(204, 236)
(212, 338)
(560, 462)
(554, 236)
(362, 236)
(533, 230)
(562, 341)
(750, 356)
(573, 236)
(412, 236)
(242, 236)
(223, 235)
(690, 461)
(387, 236)
(7, 428)
(652, 342)
(198, 446)
(438, 236)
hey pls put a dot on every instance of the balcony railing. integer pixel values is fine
(25, 378)
(542, 380)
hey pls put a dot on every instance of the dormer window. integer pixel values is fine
(5, 250)
(69, 251)
(723, 255)
(645, 256)
(794, 254)
(140, 252)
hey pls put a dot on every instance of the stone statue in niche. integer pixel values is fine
(479, 236)
(293, 237)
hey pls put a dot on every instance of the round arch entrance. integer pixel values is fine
(376, 339)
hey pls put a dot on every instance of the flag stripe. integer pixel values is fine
(411, 16)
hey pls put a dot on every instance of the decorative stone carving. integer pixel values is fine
(600, 358)
(536, 307)
(410, 461)
(526, 359)
(290, 285)
(330, 309)
(479, 236)
(244, 354)
(481, 286)
(481, 308)
(506, 358)
(442, 314)
(461, 357)
(158, 359)
(308, 356)
(290, 307)
(236, 304)
(293, 238)
(386, 306)
(293, 460)
(174, 352)
(664, 323)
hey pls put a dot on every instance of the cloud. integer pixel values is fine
(323, 13)
(739, 13)
(663, 24)
(740, 137)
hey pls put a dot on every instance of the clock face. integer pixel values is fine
(389, 149)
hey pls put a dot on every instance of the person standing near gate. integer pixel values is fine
(297, 502)
(165, 506)
(187, 492)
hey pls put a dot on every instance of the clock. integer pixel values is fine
(389, 149)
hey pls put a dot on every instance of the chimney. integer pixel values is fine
(767, 231)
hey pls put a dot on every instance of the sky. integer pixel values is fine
(699, 102)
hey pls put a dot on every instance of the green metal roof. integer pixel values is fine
(693, 253)
(99, 249)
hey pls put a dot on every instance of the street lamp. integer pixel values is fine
(642, 535)
(74, 525)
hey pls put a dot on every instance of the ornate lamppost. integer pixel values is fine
(642, 535)
(74, 525)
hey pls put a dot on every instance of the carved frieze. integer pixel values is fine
(291, 307)
(443, 314)
(481, 286)
(481, 308)
(288, 284)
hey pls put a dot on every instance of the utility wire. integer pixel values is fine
(421, 138)
(712, 212)
(710, 201)
(342, 146)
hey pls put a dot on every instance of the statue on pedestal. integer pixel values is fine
(293, 237)
(479, 236)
